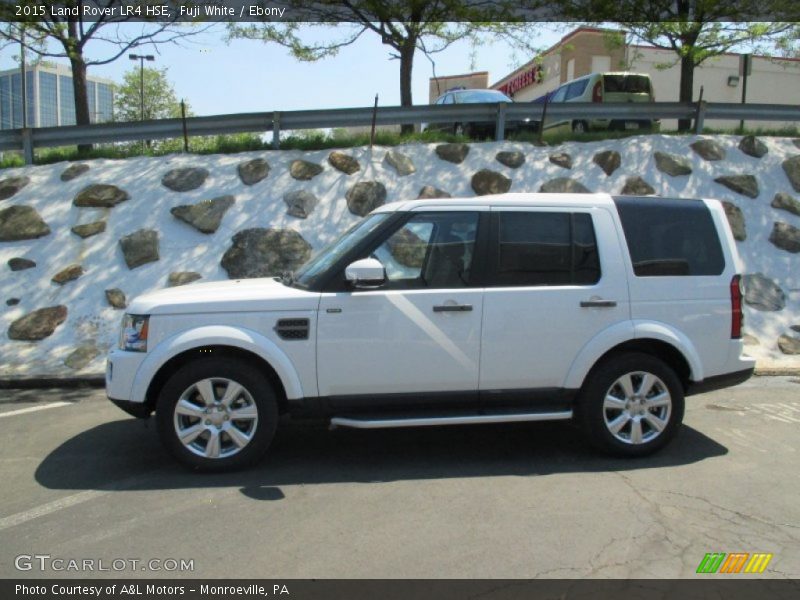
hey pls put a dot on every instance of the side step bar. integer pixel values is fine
(459, 420)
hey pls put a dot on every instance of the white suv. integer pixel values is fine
(517, 307)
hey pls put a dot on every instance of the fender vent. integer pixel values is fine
(292, 329)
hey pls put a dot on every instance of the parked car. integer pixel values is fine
(608, 310)
(603, 87)
(477, 129)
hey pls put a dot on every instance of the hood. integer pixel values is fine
(241, 295)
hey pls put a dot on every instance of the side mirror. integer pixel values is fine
(365, 273)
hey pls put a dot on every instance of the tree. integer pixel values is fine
(694, 30)
(49, 35)
(406, 26)
(160, 101)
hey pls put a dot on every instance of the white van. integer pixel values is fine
(604, 87)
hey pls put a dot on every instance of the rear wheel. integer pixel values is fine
(580, 127)
(217, 414)
(631, 405)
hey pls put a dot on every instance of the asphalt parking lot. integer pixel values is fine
(82, 481)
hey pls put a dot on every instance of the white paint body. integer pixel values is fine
(375, 341)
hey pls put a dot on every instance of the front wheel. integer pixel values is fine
(631, 405)
(217, 414)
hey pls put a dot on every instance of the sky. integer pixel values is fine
(217, 77)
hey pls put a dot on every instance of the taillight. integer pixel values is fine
(737, 317)
(597, 92)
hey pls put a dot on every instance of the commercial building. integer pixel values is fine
(590, 50)
(50, 97)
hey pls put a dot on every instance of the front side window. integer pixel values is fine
(546, 249)
(576, 89)
(430, 250)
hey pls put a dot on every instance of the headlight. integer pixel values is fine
(134, 333)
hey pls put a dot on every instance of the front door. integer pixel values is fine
(417, 335)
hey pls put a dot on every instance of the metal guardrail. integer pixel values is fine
(29, 139)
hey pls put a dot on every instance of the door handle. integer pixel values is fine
(452, 308)
(598, 303)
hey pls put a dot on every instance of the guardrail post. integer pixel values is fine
(27, 145)
(500, 125)
(700, 117)
(276, 130)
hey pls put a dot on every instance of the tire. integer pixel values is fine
(579, 127)
(195, 402)
(636, 421)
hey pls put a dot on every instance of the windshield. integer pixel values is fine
(320, 262)
(481, 96)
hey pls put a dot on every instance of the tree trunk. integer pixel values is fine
(406, 66)
(75, 53)
(686, 89)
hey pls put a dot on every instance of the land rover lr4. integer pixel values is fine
(518, 307)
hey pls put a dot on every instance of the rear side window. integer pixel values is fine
(576, 89)
(546, 248)
(670, 237)
(631, 84)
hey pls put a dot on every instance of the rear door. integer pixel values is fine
(555, 281)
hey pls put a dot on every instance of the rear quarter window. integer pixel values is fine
(670, 237)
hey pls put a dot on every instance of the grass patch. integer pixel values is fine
(337, 138)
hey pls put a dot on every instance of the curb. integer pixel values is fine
(32, 383)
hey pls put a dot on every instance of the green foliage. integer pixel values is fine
(160, 101)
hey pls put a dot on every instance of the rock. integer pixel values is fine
(260, 252)
(253, 171)
(12, 301)
(89, 229)
(401, 163)
(454, 153)
(300, 203)
(71, 273)
(747, 185)
(795, 328)
(182, 278)
(204, 216)
(140, 247)
(608, 160)
(513, 160)
(671, 164)
(73, 171)
(38, 324)
(763, 293)
(735, 220)
(490, 182)
(21, 223)
(116, 298)
(708, 149)
(429, 192)
(20, 264)
(11, 185)
(365, 196)
(185, 179)
(636, 186)
(784, 201)
(786, 237)
(343, 162)
(789, 344)
(752, 146)
(563, 185)
(791, 166)
(562, 159)
(750, 340)
(81, 357)
(304, 170)
(100, 195)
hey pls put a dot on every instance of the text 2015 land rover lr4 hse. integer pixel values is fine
(518, 307)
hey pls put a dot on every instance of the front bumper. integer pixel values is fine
(121, 369)
(135, 409)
